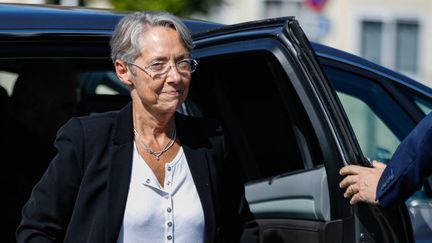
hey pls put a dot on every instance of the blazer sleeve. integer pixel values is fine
(47, 213)
(408, 168)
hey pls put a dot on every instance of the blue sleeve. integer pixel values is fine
(408, 168)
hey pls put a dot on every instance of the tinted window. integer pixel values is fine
(263, 124)
(421, 101)
(7, 81)
(378, 122)
(102, 82)
(423, 105)
(37, 98)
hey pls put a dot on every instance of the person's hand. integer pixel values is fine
(361, 182)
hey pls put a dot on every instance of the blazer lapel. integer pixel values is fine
(119, 172)
(199, 166)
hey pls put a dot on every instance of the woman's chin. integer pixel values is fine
(170, 107)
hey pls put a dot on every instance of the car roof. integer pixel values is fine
(28, 18)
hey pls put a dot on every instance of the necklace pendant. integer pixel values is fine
(150, 151)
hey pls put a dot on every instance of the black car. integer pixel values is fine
(277, 95)
(383, 107)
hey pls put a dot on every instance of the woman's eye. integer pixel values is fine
(157, 66)
(183, 65)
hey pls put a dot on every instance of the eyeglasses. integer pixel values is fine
(160, 69)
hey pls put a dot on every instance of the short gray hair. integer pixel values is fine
(125, 41)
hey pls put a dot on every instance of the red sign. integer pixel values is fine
(316, 5)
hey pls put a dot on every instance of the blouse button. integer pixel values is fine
(169, 237)
(169, 210)
(169, 224)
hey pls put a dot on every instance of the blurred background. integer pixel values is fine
(393, 33)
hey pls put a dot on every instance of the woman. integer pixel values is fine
(145, 173)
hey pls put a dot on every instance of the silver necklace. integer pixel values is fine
(150, 151)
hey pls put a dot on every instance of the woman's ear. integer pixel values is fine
(123, 72)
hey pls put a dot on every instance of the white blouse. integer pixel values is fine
(168, 214)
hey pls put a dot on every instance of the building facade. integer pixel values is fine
(394, 33)
(89, 3)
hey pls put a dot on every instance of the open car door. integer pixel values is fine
(288, 131)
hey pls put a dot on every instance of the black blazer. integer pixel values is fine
(82, 195)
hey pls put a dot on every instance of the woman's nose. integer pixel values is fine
(173, 74)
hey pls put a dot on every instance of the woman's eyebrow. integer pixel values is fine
(159, 58)
(166, 59)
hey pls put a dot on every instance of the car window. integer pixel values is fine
(377, 120)
(375, 116)
(422, 102)
(242, 92)
(7, 81)
(37, 97)
(376, 140)
(42, 103)
(418, 98)
(424, 105)
(102, 82)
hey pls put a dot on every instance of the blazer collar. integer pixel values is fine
(121, 154)
(199, 163)
(124, 126)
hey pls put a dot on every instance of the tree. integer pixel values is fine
(182, 8)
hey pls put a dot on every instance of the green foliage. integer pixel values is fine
(182, 8)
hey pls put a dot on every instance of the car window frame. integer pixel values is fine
(327, 134)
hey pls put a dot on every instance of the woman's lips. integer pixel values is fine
(174, 92)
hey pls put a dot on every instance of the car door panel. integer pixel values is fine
(301, 195)
(245, 85)
(291, 230)
(287, 129)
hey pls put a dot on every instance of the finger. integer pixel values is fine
(350, 191)
(347, 193)
(362, 197)
(355, 199)
(349, 170)
(349, 180)
(378, 164)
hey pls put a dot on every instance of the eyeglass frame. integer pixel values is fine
(165, 72)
